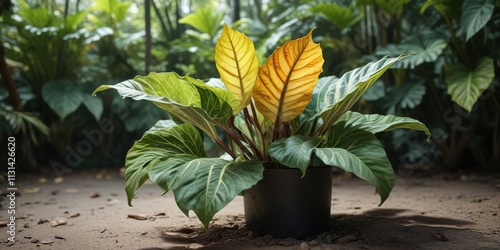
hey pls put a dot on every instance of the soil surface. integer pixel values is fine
(88, 210)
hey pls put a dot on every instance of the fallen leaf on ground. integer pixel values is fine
(138, 216)
(195, 246)
(71, 190)
(74, 215)
(46, 242)
(31, 190)
(42, 180)
(58, 180)
(95, 195)
(4, 223)
(56, 223)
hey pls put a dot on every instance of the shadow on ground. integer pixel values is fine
(377, 228)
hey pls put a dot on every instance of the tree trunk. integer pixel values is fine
(9, 84)
(147, 16)
(235, 10)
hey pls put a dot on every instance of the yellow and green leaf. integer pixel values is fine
(236, 61)
(285, 82)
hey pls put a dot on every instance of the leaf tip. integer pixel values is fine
(100, 88)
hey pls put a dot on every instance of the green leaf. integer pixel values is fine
(375, 123)
(162, 124)
(186, 98)
(94, 105)
(62, 96)
(466, 86)
(343, 93)
(294, 151)
(427, 50)
(475, 15)
(72, 21)
(318, 96)
(392, 6)
(448, 8)
(409, 95)
(206, 185)
(342, 17)
(141, 115)
(359, 152)
(205, 19)
(39, 17)
(116, 9)
(155, 148)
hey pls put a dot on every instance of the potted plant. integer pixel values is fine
(280, 120)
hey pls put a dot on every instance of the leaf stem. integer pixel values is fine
(236, 139)
(313, 127)
(250, 142)
(225, 147)
(255, 121)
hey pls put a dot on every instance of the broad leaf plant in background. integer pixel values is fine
(277, 115)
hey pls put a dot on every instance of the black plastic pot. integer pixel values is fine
(284, 205)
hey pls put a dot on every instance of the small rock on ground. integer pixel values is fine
(304, 246)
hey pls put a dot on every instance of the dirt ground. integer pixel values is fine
(88, 210)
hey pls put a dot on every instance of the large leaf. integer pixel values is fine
(140, 116)
(94, 105)
(427, 50)
(349, 147)
(375, 92)
(343, 93)
(318, 96)
(392, 6)
(342, 17)
(72, 21)
(466, 86)
(375, 123)
(62, 96)
(114, 8)
(186, 98)
(206, 185)
(475, 15)
(236, 61)
(294, 151)
(39, 17)
(409, 95)
(316, 104)
(447, 8)
(155, 148)
(359, 152)
(205, 19)
(286, 81)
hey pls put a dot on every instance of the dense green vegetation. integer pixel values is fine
(59, 51)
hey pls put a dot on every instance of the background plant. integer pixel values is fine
(351, 34)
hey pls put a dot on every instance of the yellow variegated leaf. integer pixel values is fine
(285, 82)
(237, 64)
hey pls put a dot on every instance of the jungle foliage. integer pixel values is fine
(59, 51)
